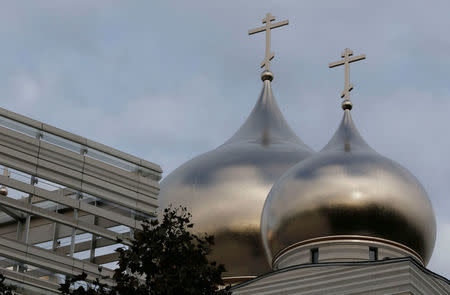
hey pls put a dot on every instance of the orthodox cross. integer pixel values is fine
(347, 59)
(269, 26)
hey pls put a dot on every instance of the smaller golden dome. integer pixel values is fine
(348, 190)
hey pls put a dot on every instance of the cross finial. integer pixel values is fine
(269, 26)
(347, 59)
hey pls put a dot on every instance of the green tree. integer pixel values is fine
(165, 258)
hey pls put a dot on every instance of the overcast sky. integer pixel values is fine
(168, 80)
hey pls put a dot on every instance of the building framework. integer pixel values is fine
(65, 201)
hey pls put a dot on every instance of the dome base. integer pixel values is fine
(345, 248)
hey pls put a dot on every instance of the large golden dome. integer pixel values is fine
(225, 188)
(351, 194)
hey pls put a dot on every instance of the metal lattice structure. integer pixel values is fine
(64, 202)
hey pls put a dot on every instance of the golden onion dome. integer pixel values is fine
(348, 193)
(225, 188)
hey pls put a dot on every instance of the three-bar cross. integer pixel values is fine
(269, 26)
(347, 59)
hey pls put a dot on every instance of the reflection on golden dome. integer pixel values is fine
(348, 190)
(225, 188)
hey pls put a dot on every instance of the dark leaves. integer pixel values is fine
(164, 258)
(4, 288)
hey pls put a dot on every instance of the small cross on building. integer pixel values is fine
(267, 28)
(347, 59)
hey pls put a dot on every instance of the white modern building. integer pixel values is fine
(65, 200)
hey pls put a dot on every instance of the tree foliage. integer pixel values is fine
(165, 258)
(4, 288)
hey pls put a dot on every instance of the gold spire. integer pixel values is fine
(347, 104)
(269, 26)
